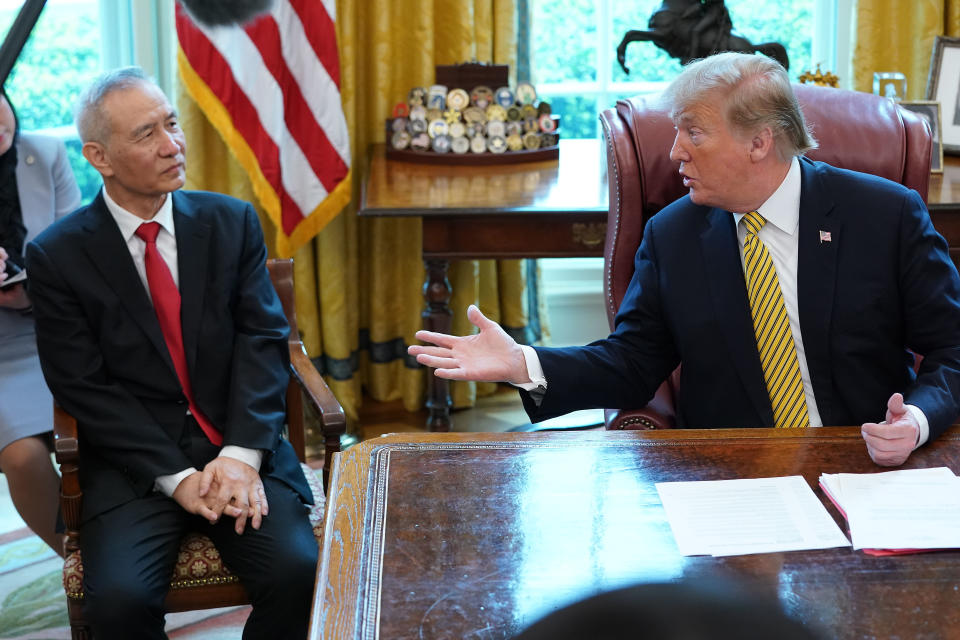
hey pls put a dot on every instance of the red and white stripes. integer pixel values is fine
(271, 88)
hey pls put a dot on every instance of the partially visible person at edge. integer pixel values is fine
(862, 274)
(36, 187)
(159, 331)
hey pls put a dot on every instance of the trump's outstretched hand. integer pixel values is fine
(488, 356)
(890, 442)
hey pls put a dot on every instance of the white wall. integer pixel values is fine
(573, 292)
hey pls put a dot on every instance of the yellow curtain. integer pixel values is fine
(359, 282)
(892, 35)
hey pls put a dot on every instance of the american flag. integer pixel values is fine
(271, 88)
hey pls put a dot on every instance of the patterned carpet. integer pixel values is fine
(33, 605)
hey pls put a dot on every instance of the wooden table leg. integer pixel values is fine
(438, 317)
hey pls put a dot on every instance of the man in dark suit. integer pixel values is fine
(789, 289)
(159, 330)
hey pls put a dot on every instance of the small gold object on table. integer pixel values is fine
(819, 78)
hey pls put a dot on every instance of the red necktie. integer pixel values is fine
(166, 302)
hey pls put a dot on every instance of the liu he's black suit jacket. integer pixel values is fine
(106, 362)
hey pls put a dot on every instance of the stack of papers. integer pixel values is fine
(898, 511)
(735, 517)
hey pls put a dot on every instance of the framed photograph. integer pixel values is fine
(929, 110)
(943, 86)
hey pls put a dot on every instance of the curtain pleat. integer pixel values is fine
(892, 35)
(359, 283)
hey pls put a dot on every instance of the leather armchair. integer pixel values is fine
(200, 579)
(857, 131)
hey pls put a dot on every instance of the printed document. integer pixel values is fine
(905, 509)
(737, 517)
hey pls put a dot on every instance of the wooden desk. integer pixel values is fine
(478, 535)
(551, 209)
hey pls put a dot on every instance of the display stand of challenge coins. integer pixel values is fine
(471, 116)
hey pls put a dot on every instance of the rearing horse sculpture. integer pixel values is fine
(689, 29)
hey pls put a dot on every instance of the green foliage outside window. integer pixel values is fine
(60, 59)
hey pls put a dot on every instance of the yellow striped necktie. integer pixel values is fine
(778, 353)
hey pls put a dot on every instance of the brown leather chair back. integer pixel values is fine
(858, 131)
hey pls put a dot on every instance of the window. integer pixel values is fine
(58, 61)
(574, 67)
(573, 44)
(72, 42)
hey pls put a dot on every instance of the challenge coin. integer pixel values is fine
(459, 144)
(504, 97)
(458, 99)
(526, 94)
(481, 96)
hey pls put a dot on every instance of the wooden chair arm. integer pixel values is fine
(310, 384)
(67, 450)
(66, 445)
(317, 391)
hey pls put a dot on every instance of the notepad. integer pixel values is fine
(896, 512)
(21, 276)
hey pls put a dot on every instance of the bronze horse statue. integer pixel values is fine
(690, 29)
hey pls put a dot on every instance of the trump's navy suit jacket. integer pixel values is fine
(106, 362)
(882, 284)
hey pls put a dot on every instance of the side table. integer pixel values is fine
(548, 209)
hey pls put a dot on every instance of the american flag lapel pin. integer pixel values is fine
(825, 236)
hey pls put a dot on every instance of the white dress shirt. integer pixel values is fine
(780, 236)
(128, 224)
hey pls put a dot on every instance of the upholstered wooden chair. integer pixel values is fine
(857, 131)
(200, 579)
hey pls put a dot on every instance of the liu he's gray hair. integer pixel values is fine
(755, 92)
(92, 124)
